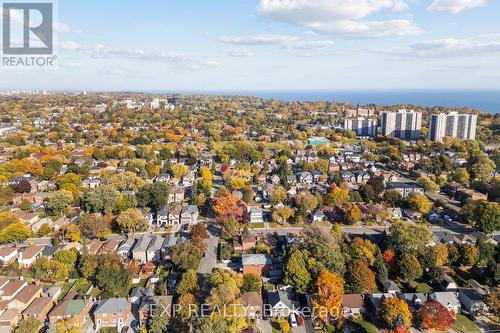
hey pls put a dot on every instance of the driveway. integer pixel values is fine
(209, 261)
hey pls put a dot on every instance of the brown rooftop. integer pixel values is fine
(32, 251)
(12, 287)
(251, 299)
(25, 295)
(38, 306)
(353, 301)
(5, 251)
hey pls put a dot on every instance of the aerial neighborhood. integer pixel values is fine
(130, 212)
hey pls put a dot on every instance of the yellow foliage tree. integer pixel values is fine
(393, 308)
(328, 299)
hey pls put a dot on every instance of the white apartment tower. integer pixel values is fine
(361, 126)
(402, 124)
(454, 125)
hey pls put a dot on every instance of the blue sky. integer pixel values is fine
(271, 45)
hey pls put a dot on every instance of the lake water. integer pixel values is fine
(486, 101)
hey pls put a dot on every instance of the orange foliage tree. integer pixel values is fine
(226, 205)
(434, 316)
(328, 298)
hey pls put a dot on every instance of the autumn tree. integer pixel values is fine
(188, 283)
(199, 234)
(419, 202)
(469, 254)
(363, 249)
(305, 202)
(185, 256)
(394, 312)
(132, 220)
(251, 283)
(352, 214)
(360, 278)
(278, 195)
(14, 233)
(179, 170)
(492, 300)
(226, 205)
(336, 196)
(282, 214)
(434, 316)
(327, 301)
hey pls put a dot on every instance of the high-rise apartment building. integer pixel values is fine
(402, 124)
(453, 124)
(361, 126)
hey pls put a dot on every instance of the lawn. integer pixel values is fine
(82, 286)
(464, 324)
(362, 326)
(422, 287)
(141, 283)
(257, 225)
(65, 289)
(108, 330)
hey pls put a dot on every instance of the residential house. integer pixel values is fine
(353, 305)
(189, 215)
(8, 255)
(110, 246)
(281, 303)
(76, 309)
(53, 293)
(390, 286)
(153, 252)
(449, 299)
(374, 301)
(252, 303)
(94, 246)
(305, 177)
(448, 284)
(404, 189)
(24, 297)
(10, 318)
(348, 176)
(472, 301)
(112, 312)
(137, 293)
(168, 242)
(244, 242)
(61, 223)
(29, 255)
(38, 309)
(318, 216)
(414, 300)
(155, 303)
(10, 289)
(255, 214)
(140, 248)
(176, 195)
(125, 247)
(258, 264)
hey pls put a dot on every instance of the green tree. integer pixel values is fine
(188, 283)
(132, 220)
(409, 237)
(428, 184)
(158, 322)
(113, 281)
(185, 256)
(102, 199)
(59, 201)
(295, 271)
(461, 176)
(486, 217)
(409, 267)
(251, 283)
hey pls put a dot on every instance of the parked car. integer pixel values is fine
(300, 320)
(293, 320)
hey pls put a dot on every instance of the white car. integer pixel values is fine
(293, 320)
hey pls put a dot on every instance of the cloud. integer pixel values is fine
(70, 45)
(240, 53)
(285, 41)
(180, 60)
(262, 39)
(451, 47)
(455, 6)
(340, 17)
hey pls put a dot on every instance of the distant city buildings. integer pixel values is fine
(454, 125)
(360, 112)
(361, 126)
(402, 124)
